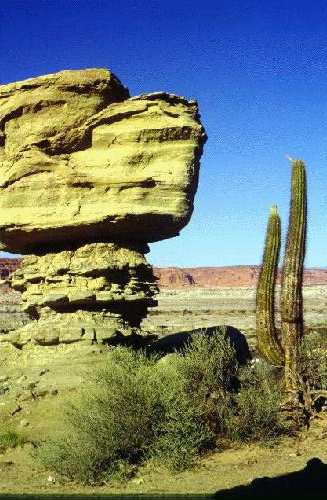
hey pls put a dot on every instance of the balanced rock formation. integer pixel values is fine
(89, 176)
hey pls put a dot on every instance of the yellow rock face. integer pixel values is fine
(97, 289)
(88, 176)
(79, 161)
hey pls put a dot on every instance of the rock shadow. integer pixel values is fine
(309, 483)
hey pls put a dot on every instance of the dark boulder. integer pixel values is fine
(178, 341)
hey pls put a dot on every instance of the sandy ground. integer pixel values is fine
(19, 472)
(180, 310)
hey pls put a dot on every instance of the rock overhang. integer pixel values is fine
(82, 161)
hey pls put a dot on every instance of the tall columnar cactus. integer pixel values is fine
(292, 281)
(269, 344)
(292, 276)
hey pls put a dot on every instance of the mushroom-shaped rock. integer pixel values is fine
(89, 176)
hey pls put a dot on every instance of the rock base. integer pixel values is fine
(92, 293)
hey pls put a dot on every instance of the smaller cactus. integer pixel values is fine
(269, 344)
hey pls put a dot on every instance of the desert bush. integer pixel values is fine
(136, 408)
(169, 410)
(111, 426)
(313, 361)
(182, 432)
(256, 415)
(194, 391)
(10, 439)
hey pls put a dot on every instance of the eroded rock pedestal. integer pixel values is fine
(89, 176)
(94, 292)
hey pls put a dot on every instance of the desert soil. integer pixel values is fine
(184, 309)
(19, 472)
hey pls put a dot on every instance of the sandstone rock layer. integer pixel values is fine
(76, 165)
(89, 176)
(97, 291)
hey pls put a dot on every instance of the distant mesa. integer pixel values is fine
(88, 177)
(201, 277)
(8, 266)
(173, 277)
(214, 277)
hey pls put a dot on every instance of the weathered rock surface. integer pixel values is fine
(89, 176)
(11, 314)
(100, 290)
(81, 162)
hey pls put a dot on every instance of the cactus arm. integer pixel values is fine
(269, 345)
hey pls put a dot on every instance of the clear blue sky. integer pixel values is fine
(259, 72)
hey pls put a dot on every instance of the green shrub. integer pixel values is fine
(256, 415)
(168, 410)
(194, 393)
(111, 425)
(10, 439)
(313, 361)
(135, 408)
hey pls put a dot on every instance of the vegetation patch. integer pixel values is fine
(10, 439)
(313, 361)
(257, 414)
(169, 411)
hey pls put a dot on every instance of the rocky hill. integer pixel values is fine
(214, 277)
(202, 277)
